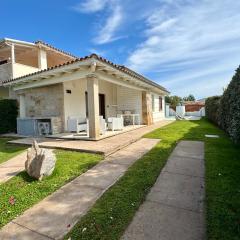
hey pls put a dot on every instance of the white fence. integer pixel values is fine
(180, 110)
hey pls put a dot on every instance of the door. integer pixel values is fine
(102, 105)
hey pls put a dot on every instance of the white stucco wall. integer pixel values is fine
(129, 99)
(158, 115)
(74, 103)
(21, 70)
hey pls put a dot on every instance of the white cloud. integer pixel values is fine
(91, 6)
(110, 21)
(190, 43)
(107, 33)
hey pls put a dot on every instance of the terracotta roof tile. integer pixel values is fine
(119, 67)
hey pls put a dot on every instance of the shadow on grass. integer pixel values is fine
(124, 198)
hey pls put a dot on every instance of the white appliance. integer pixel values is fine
(44, 128)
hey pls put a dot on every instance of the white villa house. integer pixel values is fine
(88, 97)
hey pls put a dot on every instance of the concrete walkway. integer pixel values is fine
(174, 208)
(53, 217)
(105, 146)
(12, 167)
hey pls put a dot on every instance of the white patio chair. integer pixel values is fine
(103, 125)
(77, 125)
(115, 123)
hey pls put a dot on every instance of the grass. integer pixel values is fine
(8, 151)
(24, 191)
(112, 213)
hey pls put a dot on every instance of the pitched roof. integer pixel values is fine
(37, 43)
(40, 42)
(93, 56)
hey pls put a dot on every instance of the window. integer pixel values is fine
(160, 104)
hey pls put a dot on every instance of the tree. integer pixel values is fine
(173, 100)
(190, 97)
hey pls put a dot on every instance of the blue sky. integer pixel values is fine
(188, 46)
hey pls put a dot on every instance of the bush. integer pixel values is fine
(230, 108)
(212, 105)
(8, 115)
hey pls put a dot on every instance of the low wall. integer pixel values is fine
(181, 112)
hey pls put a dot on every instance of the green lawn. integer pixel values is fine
(8, 151)
(24, 191)
(112, 213)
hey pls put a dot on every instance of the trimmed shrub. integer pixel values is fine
(8, 115)
(212, 105)
(230, 108)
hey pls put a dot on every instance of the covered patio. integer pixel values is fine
(89, 98)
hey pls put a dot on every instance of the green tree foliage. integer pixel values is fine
(173, 101)
(190, 97)
(229, 112)
(8, 115)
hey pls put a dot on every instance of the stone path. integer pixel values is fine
(174, 208)
(105, 146)
(12, 167)
(53, 217)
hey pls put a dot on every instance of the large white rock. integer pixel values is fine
(40, 162)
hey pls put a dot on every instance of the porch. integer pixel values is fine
(88, 99)
(104, 146)
(83, 135)
(72, 110)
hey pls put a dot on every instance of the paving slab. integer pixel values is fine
(156, 221)
(12, 167)
(186, 166)
(186, 150)
(178, 190)
(14, 231)
(174, 208)
(54, 216)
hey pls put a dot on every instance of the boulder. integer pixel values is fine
(40, 162)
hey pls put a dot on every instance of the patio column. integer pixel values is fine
(93, 106)
(42, 59)
(147, 108)
(13, 53)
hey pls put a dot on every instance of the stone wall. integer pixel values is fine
(44, 101)
(5, 72)
(147, 108)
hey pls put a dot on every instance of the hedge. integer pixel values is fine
(8, 115)
(212, 105)
(229, 112)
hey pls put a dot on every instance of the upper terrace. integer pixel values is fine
(18, 58)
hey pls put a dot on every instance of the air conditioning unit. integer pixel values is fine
(44, 128)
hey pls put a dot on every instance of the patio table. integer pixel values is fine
(133, 116)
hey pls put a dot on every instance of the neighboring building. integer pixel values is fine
(193, 106)
(83, 88)
(18, 58)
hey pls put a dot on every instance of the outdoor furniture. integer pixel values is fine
(131, 118)
(103, 125)
(115, 123)
(77, 124)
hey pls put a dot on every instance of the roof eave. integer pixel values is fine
(37, 75)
